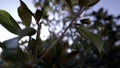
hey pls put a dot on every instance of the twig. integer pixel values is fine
(51, 46)
(38, 39)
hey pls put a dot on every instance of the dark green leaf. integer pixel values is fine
(14, 55)
(32, 45)
(85, 21)
(8, 22)
(44, 12)
(92, 3)
(26, 32)
(95, 39)
(83, 3)
(38, 15)
(11, 43)
(87, 3)
(25, 14)
(72, 55)
(15, 65)
(12, 52)
(35, 45)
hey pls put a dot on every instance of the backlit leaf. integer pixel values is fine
(85, 21)
(8, 22)
(82, 3)
(92, 2)
(26, 32)
(87, 3)
(32, 45)
(44, 13)
(11, 43)
(25, 14)
(12, 52)
(38, 15)
(35, 45)
(95, 39)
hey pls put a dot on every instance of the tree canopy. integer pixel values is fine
(76, 40)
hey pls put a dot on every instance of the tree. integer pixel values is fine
(90, 41)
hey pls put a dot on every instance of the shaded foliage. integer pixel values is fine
(74, 41)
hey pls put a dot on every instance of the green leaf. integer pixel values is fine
(11, 43)
(14, 55)
(87, 3)
(8, 22)
(12, 52)
(85, 21)
(26, 32)
(44, 12)
(83, 3)
(25, 14)
(15, 65)
(72, 55)
(66, 57)
(33, 45)
(92, 3)
(95, 39)
(38, 15)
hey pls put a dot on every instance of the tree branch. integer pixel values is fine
(51, 46)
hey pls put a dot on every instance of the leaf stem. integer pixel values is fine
(38, 39)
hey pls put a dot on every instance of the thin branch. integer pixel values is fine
(38, 31)
(51, 46)
(38, 39)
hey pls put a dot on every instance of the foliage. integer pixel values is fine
(93, 39)
(8, 22)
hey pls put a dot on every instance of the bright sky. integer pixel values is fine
(11, 6)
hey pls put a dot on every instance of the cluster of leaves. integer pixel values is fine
(87, 50)
(107, 27)
(11, 50)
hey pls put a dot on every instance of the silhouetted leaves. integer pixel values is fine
(12, 52)
(85, 46)
(26, 32)
(92, 2)
(95, 39)
(38, 15)
(83, 3)
(87, 3)
(25, 14)
(85, 21)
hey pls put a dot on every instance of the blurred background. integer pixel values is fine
(11, 6)
(81, 51)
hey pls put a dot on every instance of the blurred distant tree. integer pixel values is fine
(76, 40)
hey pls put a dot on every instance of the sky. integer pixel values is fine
(11, 6)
